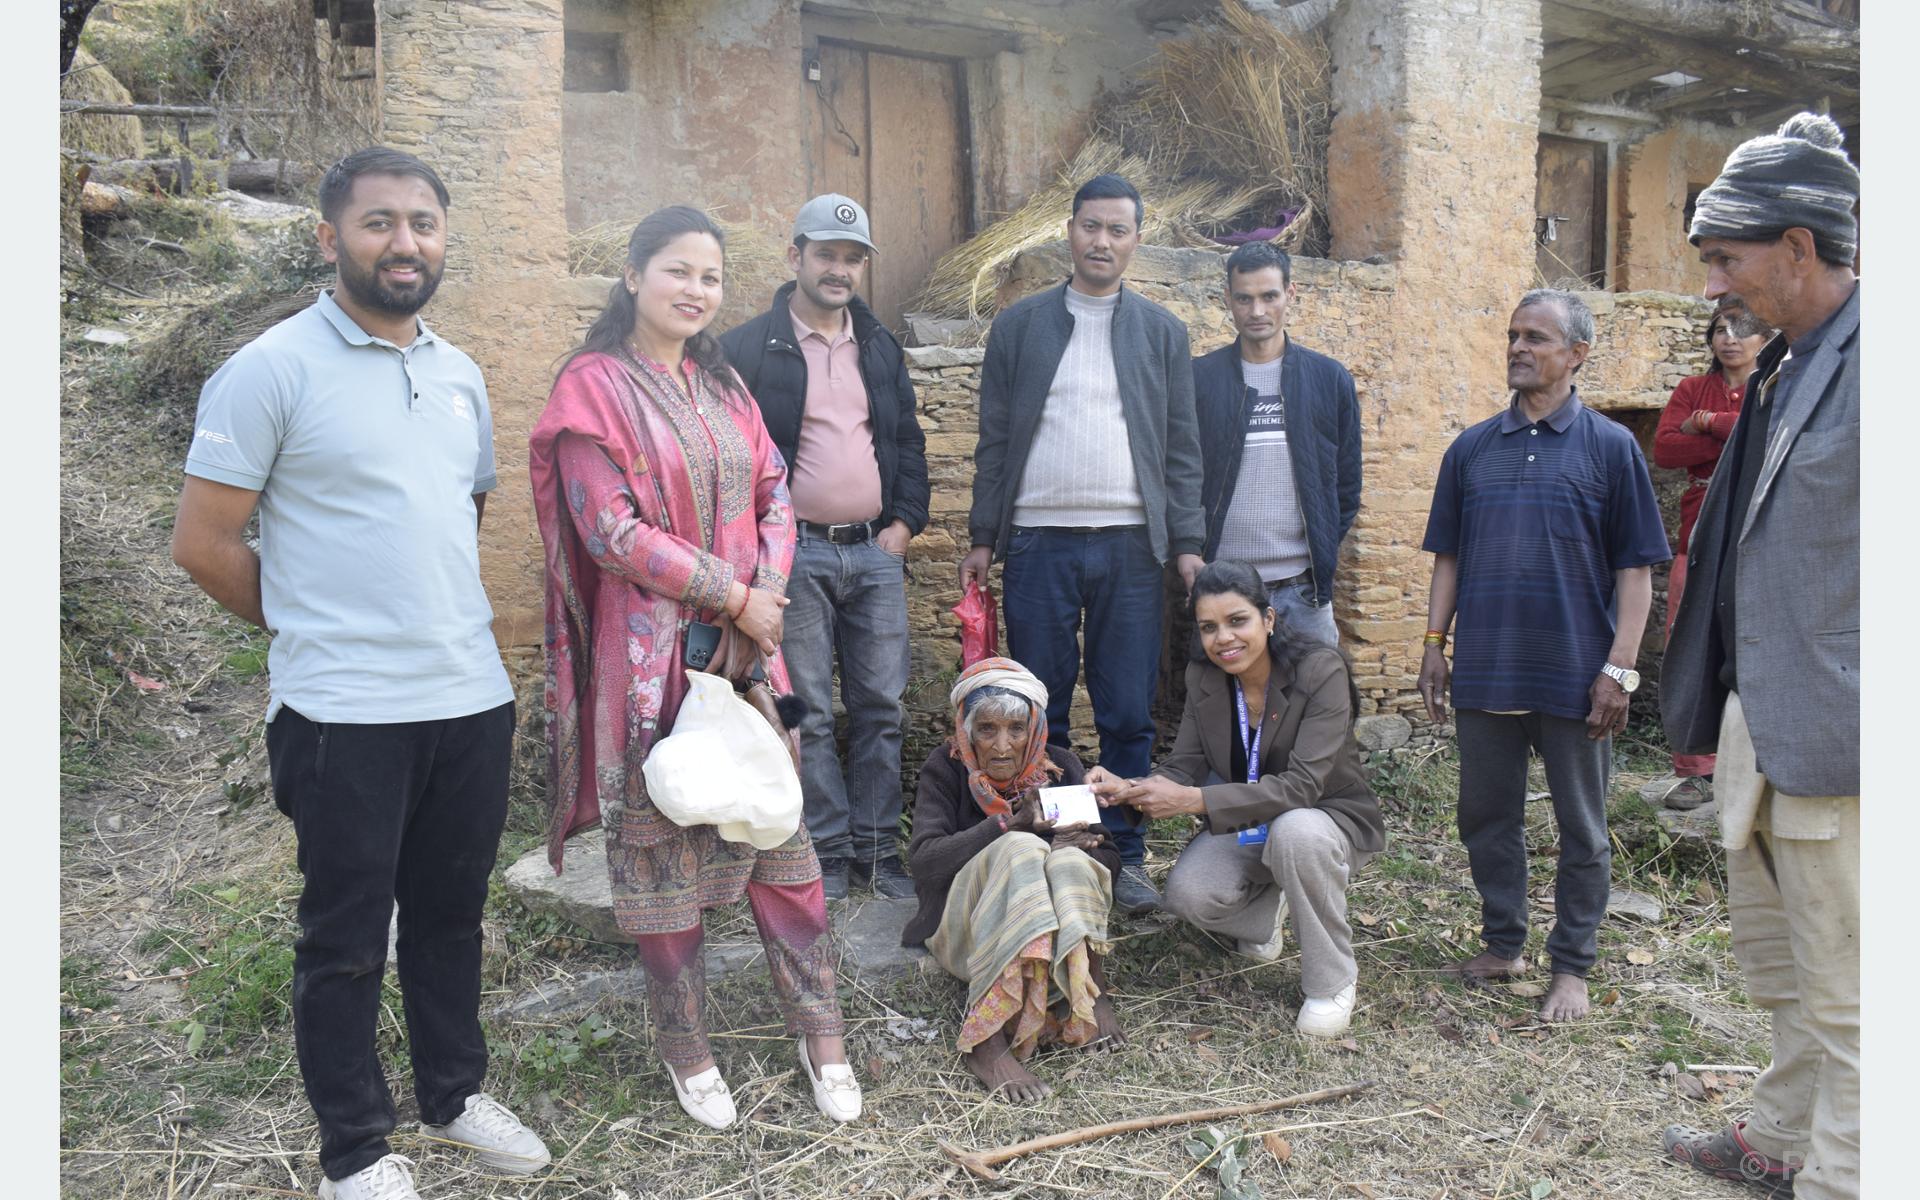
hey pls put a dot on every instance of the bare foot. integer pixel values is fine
(1106, 1022)
(993, 1064)
(1566, 999)
(1488, 965)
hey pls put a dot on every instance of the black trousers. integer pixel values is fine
(407, 813)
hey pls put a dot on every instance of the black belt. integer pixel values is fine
(844, 535)
(1305, 576)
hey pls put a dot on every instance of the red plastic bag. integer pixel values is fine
(979, 625)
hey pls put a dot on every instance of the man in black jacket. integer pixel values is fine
(1086, 482)
(1280, 439)
(832, 387)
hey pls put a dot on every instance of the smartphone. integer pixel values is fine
(703, 642)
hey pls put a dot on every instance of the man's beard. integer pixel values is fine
(368, 292)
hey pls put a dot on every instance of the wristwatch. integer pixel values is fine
(1626, 677)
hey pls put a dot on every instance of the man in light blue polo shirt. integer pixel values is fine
(366, 444)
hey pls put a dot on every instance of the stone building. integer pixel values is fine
(1478, 147)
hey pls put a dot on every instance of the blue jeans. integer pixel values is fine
(1052, 579)
(1296, 612)
(851, 599)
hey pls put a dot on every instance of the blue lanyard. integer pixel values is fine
(1249, 734)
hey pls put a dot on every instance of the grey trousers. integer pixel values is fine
(1234, 890)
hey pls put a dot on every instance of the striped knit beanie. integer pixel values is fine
(1796, 178)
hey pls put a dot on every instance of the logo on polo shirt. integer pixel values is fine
(460, 405)
(219, 439)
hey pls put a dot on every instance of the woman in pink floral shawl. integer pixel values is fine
(662, 500)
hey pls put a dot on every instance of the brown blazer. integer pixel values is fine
(1308, 758)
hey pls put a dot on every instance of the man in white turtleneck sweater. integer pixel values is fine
(1087, 481)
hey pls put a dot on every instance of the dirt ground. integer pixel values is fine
(177, 904)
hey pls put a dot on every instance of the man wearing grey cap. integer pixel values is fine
(832, 385)
(1765, 659)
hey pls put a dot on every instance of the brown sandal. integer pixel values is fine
(1726, 1155)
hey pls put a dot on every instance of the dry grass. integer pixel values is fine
(97, 133)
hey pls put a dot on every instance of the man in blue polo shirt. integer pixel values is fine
(366, 444)
(1543, 529)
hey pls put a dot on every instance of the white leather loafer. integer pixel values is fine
(705, 1098)
(835, 1091)
(1327, 1018)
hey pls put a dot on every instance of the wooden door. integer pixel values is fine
(890, 130)
(1572, 190)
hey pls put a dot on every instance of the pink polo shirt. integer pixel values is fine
(835, 476)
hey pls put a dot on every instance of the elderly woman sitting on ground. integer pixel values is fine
(1010, 902)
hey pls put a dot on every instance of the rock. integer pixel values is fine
(928, 358)
(106, 337)
(1624, 902)
(1699, 826)
(868, 929)
(1385, 732)
(243, 207)
(580, 894)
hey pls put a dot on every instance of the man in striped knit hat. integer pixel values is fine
(1087, 481)
(1765, 660)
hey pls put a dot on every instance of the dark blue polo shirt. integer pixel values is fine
(1540, 514)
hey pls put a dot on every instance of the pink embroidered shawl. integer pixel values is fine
(668, 498)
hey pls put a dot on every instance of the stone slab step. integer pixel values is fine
(867, 928)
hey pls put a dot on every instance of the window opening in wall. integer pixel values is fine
(595, 62)
(1693, 202)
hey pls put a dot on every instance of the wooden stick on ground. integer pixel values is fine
(983, 1162)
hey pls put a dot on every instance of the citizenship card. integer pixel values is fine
(1072, 805)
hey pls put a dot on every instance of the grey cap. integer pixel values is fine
(833, 218)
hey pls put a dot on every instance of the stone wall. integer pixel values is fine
(474, 89)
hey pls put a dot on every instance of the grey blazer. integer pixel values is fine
(1798, 656)
(1150, 360)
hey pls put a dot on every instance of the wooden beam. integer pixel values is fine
(1748, 71)
(1611, 63)
(1793, 30)
(1609, 112)
(69, 107)
(1630, 75)
(1563, 53)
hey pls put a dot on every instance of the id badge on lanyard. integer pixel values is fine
(1250, 742)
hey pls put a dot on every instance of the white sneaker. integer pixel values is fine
(1327, 1018)
(835, 1091)
(498, 1136)
(391, 1178)
(1269, 950)
(705, 1097)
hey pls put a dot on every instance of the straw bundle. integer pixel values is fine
(109, 136)
(1227, 129)
(1243, 102)
(963, 281)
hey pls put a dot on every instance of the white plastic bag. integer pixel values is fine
(723, 765)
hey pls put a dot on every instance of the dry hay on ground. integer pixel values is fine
(963, 281)
(97, 133)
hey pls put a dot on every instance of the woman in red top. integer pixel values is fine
(1693, 431)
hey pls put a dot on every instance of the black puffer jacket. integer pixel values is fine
(775, 372)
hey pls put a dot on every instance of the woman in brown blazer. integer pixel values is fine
(1286, 834)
